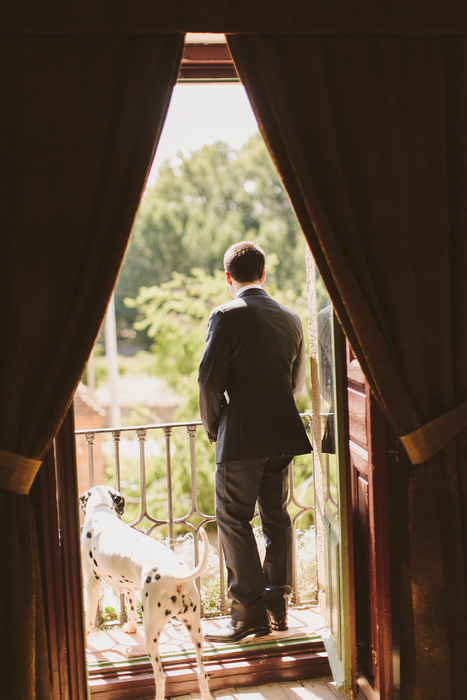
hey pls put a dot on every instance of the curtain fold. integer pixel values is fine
(368, 134)
(80, 119)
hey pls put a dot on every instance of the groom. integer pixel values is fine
(252, 369)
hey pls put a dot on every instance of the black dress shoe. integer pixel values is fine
(278, 624)
(277, 608)
(238, 629)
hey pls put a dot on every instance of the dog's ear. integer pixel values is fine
(83, 499)
(118, 502)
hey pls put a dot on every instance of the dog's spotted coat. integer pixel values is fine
(129, 560)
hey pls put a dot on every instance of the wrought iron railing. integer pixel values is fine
(106, 444)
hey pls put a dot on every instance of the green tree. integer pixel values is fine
(175, 316)
(201, 205)
(273, 223)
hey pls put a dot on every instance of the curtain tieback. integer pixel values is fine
(425, 442)
(17, 473)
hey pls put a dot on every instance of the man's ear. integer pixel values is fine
(228, 277)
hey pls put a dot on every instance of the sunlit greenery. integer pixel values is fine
(197, 208)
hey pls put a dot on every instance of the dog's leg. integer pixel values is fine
(130, 627)
(197, 639)
(152, 650)
(154, 618)
(191, 619)
(91, 600)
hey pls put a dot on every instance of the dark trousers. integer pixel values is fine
(255, 587)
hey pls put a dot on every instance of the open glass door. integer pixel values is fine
(332, 522)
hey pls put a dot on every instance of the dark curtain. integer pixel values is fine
(252, 17)
(368, 134)
(80, 118)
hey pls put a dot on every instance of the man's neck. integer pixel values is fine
(235, 286)
(249, 285)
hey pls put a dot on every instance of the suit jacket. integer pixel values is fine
(252, 367)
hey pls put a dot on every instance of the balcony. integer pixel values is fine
(162, 471)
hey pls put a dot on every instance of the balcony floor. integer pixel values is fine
(114, 646)
(117, 660)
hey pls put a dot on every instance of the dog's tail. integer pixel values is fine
(194, 573)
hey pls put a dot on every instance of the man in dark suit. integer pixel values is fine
(252, 369)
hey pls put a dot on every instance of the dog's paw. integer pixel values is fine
(129, 628)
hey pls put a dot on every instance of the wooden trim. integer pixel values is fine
(344, 355)
(382, 562)
(368, 460)
(256, 665)
(207, 62)
(67, 495)
(56, 505)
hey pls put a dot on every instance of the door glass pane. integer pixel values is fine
(333, 565)
(326, 388)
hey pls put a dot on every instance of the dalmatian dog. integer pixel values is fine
(129, 560)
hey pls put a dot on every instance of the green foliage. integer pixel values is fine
(175, 316)
(109, 613)
(196, 209)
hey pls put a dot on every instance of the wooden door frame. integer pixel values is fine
(209, 61)
(381, 552)
(379, 557)
(57, 524)
(341, 348)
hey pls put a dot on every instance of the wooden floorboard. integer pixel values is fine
(313, 689)
(295, 691)
(323, 689)
(225, 694)
(276, 691)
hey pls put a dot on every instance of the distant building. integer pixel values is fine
(89, 414)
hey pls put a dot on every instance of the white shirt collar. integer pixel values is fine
(247, 286)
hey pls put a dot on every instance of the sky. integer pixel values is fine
(203, 114)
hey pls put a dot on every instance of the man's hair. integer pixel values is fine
(245, 261)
